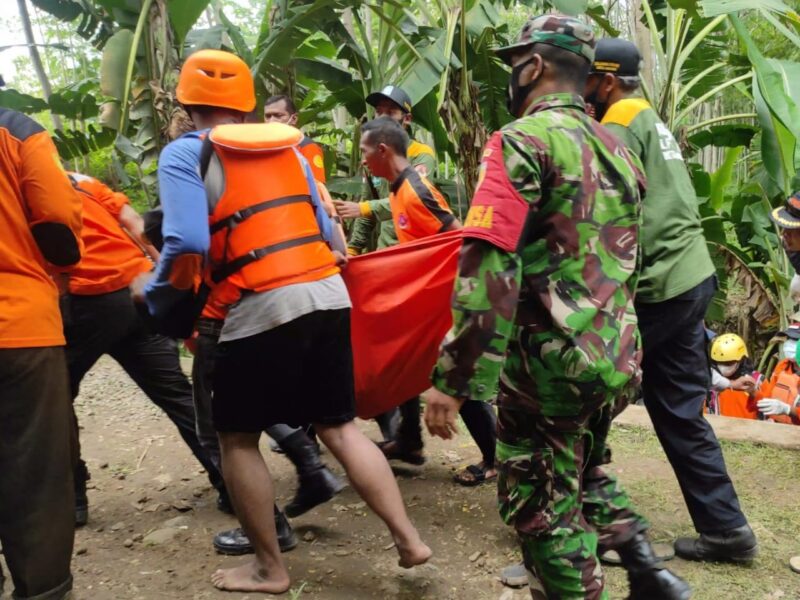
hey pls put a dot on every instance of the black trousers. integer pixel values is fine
(676, 381)
(37, 510)
(110, 324)
(479, 418)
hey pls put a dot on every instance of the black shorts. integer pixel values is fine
(300, 372)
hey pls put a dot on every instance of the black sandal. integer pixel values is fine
(478, 476)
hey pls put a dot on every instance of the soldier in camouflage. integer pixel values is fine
(544, 305)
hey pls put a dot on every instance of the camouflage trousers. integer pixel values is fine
(565, 507)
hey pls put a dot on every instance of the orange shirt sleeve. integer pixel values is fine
(426, 206)
(54, 207)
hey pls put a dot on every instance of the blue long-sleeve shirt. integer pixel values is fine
(185, 208)
(185, 224)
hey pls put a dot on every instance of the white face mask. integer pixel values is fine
(789, 349)
(727, 370)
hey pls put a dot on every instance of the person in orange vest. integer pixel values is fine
(263, 245)
(732, 380)
(419, 210)
(281, 109)
(40, 217)
(779, 397)
(100, 318)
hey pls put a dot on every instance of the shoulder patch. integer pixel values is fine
(625, 111)
(18, 125)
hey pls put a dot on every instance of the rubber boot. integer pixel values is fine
(81, 476)
(316, 484)
(649, 579)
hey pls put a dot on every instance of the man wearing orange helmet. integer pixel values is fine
(285, 307)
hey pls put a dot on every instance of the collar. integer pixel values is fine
(400, 179)
(560, 100)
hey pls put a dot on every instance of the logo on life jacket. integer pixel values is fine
(402, 221)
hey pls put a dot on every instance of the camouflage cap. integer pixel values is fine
(567, 33)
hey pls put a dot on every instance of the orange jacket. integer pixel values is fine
(111, 259)
(40, 219)
(418, 208)
(264, 232)
(736, 403)
(315, 157)
(784, 385)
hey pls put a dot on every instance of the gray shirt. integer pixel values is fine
(262, 311)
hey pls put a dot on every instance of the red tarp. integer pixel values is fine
(401, 312)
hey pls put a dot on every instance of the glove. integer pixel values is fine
(794, 288)
(772, 407)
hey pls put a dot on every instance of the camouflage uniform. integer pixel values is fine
(544, 304)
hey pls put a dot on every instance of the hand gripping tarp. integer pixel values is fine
(401, 312)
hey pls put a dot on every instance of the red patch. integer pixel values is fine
(497, 213)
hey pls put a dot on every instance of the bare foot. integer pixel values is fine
(412, 555)
(250, 577)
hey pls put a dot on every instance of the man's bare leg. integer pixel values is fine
(371, 476)
(250, 485)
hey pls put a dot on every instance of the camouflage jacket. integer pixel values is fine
(544, 296)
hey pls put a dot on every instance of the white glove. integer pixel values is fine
(773, 407)
(794, 288)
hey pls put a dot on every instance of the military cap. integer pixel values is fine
(567, 33)
(617, 56)
(788, 215)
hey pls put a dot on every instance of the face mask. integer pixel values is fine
(517, 94)
(789, 349)
(600, 106)
(727, 370)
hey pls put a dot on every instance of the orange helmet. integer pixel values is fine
(216, 78)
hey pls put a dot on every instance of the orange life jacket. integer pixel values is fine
(736, 403)
(264, 230)
(784, 385)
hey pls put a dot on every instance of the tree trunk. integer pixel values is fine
(36, 59)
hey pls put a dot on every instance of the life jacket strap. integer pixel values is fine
(240, 262)
(240, 215)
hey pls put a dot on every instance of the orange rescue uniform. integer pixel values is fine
(736, 403)
(418, 208)
(315, 157)
(784, 385)
(35, 196)
(112, 260)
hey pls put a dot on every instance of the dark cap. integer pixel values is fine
(788, 215)
(617, 56)
(393, 93)
(567, 33)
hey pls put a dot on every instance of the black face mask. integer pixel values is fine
(600, 106)
(517, 94)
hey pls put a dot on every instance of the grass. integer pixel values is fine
(767, 481)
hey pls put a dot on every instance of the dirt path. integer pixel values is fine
(143, 478)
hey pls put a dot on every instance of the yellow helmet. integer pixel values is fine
(728, 348)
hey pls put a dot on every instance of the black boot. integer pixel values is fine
(81, 476)
(235, 542)
(316, 484)
(648, 578)
(224, 501)
(735, 545)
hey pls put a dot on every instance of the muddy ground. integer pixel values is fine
(144, 480)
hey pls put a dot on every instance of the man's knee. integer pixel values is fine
(233, 440)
